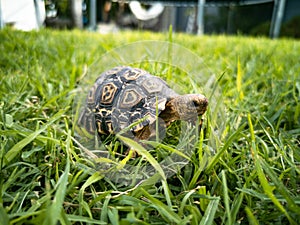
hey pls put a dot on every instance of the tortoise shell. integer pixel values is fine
(124, 96)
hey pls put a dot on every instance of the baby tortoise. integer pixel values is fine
(123, 96)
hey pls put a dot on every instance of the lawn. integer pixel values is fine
(243, 168)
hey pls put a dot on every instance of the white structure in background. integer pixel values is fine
(22, 14)
(142, 14)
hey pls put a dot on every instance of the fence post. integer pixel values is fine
(200, 17)
(93, 13)
(1, 17)
(278, 13)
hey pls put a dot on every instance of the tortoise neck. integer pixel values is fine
(170, 113)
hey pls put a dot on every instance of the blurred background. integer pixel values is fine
(273, 18)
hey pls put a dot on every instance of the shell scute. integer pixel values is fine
(108, 93)
(130, 97)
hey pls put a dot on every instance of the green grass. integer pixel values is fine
(253, 177)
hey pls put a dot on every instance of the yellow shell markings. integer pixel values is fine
(152, 86)
(91, 94)
(108, 93)
(132, 74)
(130, 96)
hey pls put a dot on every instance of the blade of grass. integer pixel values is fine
(251, 218)
(143, 152)
(194, 213)
(125, 160)
(85, 220)
(226, 197)
(64, 219)
(209, 215)
(239, 80)
(261, 176)
(169, 149)
(113, 215)
(25, 216)
(184, 202)
(203, 201)
(104, 211)
(55, 209)
(4, 219)
(162, 209)
(83, 204)
(17, 148)
(167, 192)
(229, 141)
(170, 56)
(236, 206)
(281, 188)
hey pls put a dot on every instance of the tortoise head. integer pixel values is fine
(200, 103)
(185, 107)
(190, 106)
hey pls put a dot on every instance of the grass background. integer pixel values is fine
(252, 179)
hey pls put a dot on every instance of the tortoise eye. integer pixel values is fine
(196, 103)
